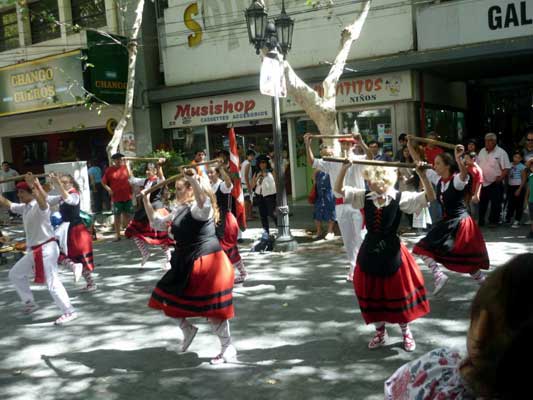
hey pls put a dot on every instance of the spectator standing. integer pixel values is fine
(471, 146)
(246, 183)
(199, 156)
(95, 182)
(324, 207)
(265, 190)
(431, 151)
(375, 149)
(515, 190)
(529, 193)
(528, 148)
(116, 182)
(402, 143)
(494, 163)
(9, 190)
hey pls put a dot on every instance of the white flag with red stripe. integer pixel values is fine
(235, 168)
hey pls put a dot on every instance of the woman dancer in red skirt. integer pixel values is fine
(455, 241)
(227, 228)
(388, 283)
(75, 241)
(200, 281)
(139, 228)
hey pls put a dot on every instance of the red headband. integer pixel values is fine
(23, 186)
(349, 140)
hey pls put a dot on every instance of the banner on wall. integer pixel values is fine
(224, 109)
(382, 88)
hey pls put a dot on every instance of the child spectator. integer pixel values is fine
(515, 190)
(501, 322)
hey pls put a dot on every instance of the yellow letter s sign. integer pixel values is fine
(196, 38)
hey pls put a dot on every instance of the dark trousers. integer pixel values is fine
(515, 204)
(12, 197)
(100, 198)
(492, 194)
(267, 205)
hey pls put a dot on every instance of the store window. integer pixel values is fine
(44, 15)
(88, 13)
(9, 35)
(188, 140)
(449, 125)
(373, 125)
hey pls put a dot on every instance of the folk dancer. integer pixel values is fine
(42, 250)
(200, 281)
(139, 228)
(388, 283)
(350, 220)
(455, 241)
(75, 241)
(227, 229)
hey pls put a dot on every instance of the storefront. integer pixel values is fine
(383, 106)
(44, 113)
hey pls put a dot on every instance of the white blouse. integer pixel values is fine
(73, 199)
(267, 186)
(458, 184)
(410, 202)
(223, 187)
(161, 222)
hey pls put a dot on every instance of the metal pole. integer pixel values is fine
(284, 240)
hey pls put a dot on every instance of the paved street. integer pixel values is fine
(298, 330)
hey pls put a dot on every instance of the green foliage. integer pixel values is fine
(174, 159)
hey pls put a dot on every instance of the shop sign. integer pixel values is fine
(216, 110)
(364, 90)
(49, 82)
(106, 74)
(450, 24)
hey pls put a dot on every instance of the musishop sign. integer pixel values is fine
(216, 110)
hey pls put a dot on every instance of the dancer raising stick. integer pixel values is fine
(75, 241)
(42, 249)
(227, 229)
(139, 228)
(455, 241)
(388, 283)
(200, 282)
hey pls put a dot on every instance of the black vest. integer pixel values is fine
(70, 213)
(451, 200)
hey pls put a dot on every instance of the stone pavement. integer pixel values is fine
(298, 330)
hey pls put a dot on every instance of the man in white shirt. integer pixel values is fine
(8, 188)
(42, 250)
(495, 164)
(349, 219)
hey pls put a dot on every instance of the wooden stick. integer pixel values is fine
(332, 136)
(377, 163)
(434, 142)
(175, 177)
(141, 158)
(21, 177)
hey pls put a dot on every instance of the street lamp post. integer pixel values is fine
(264, 34)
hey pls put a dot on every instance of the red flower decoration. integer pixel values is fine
(420, 379)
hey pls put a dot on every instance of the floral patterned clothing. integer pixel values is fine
(434, 376)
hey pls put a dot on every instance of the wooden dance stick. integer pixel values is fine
(175, 177)
(376, 163)
(21, 177)
(142, 158)
(433, 142)
(333, 136)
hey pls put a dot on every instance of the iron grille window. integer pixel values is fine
(43, 13)
(88, 13)
(9, 33)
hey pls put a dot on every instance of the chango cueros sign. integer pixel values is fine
(50, 82)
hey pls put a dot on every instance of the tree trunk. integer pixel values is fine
(322, 110)
(114, 143)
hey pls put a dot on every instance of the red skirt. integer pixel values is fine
(141, 228)
(468, 254)
(208, 293)
(399, 298)
(229, 241)
(80, 246)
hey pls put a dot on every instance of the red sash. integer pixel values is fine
(38, 261)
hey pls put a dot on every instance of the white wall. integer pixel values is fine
(224, 50)
(457, 23)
